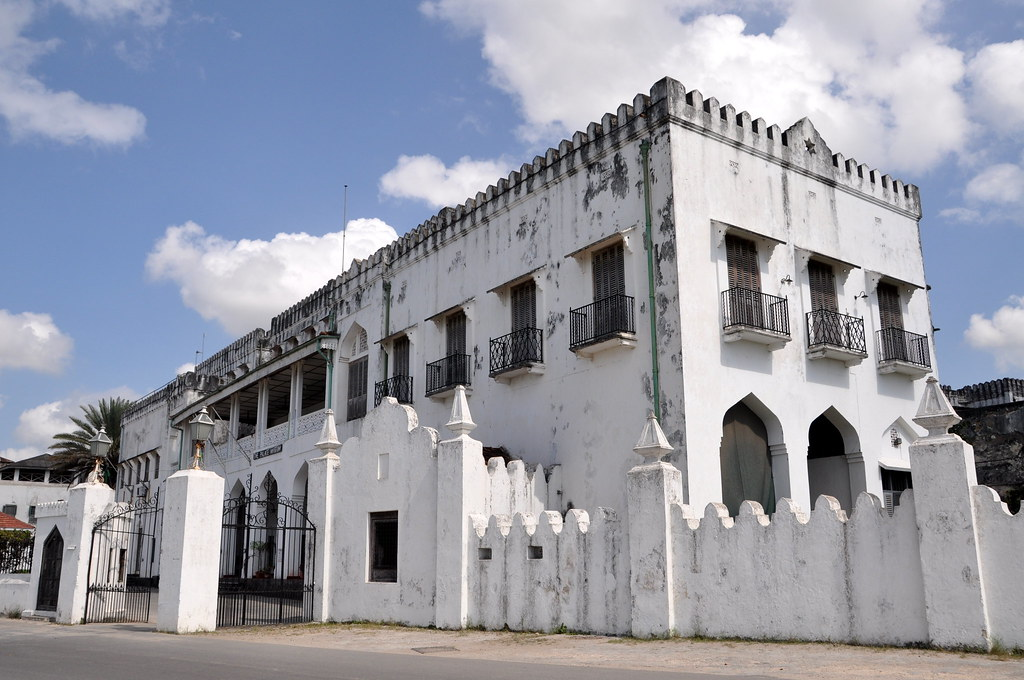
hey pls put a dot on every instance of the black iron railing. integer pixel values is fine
(446, 373)
(825, 327)
(399, 387)
(896, 344)
(754, 309)
(525, 346)
(600, 320)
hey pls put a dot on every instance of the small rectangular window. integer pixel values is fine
(7, 474)
(384, 547)
(31, 514)
(894, 482)
(484, 553)
(32, 476)
(535, 552)
(357, 375)
(400, 351)
(11, 510)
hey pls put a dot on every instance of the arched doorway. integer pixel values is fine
(49, 573)
(828, 472)
(745, 460)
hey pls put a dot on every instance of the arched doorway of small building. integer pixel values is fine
(828, 469)
(745, 460)
(49, 574)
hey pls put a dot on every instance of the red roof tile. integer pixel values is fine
(11, 522)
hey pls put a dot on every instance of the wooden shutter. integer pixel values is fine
(609, 272)
(401, 354)
(823, 286)
(889, 313)
(357, 373)
(524, 306)
(741, 256)
(455, 333)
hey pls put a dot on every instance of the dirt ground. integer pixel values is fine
(726, 658)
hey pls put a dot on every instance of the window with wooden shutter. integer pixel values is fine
(357, 375)
(889, 313)
(609, 272)
(741, 256)
(455, 333)
(524, 306)
(400, 350)
(823, 286)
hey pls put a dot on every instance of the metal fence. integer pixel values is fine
(754, 309)
(896, 344)
(826, 327)
(516, 349)
(600, 320)
(399, 387)
(446, 373)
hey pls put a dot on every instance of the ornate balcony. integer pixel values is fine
(901, 351)
(756, 317)
(399, 387)
(602, 325)
(831, 335)
(517, 353)
(445, 374)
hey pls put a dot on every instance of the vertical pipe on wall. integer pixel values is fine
(645, 149)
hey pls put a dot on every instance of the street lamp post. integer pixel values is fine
(200, 428)
(99, 445)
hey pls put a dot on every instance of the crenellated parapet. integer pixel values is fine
(991, 393)
(514, 488)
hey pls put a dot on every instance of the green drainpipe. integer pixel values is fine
(387, 321)
(645, 150)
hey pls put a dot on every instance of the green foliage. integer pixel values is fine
(72, 448)
(15, 550)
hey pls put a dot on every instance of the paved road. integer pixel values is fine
(38, 651)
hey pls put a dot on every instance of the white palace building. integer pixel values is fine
(762, 294)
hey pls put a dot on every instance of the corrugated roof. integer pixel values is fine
(41, 462)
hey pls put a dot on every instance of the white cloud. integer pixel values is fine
(997, 80)
(242, 284)
(32, 109)
(1002, 183)
(146, 12)
(33, 342)
(876, 80)
(185, 368)
(426, 178)
(37, 425)
(1002, 335)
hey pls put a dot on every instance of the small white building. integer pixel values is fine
(763, 294)
(29, 483)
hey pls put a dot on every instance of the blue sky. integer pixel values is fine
(171, 173)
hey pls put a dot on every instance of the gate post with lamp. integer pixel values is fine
(190, 546)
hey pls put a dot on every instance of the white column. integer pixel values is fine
(462, 483)
(86, 503)
(190, 552)
(320, 510)
(942, 465)
(651, 489)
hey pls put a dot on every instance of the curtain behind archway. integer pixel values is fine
(746, 462)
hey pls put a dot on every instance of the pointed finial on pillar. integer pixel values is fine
(935, 414)
(328, 443)
(653, 444)
(461, 421)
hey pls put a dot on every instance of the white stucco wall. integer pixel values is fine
(27, 494)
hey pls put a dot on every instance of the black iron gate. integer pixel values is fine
(267, 551)
(124, 563)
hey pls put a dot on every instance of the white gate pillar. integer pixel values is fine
(190, 552)
(320, 509)
(86, 503)
(651, 489)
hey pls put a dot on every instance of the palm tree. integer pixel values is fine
(72, 448)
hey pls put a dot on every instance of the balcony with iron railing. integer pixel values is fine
(601, 325)
(756, 317)
(517, 353)
(398, 386)
(831, 335)
(901, 351)
(444, 375)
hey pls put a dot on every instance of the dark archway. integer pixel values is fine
(49, 573)
(828, 472)
(745, 460)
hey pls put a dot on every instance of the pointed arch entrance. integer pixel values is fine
(828, 470)
(745, 460)
(49, 574)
